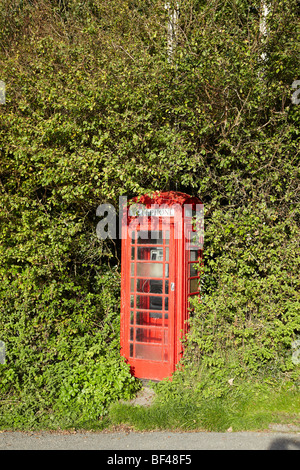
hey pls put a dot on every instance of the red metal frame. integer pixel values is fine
(156, 275)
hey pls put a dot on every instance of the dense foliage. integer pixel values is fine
(97, 108)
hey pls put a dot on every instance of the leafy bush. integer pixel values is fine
(63, 370)
(251, 307)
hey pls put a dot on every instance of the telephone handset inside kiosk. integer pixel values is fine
(156, 285)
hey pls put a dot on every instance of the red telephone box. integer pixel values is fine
(158, 275)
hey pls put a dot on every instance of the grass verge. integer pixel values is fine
(247, 410)
(176, 407)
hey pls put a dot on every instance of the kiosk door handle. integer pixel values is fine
(172, 286)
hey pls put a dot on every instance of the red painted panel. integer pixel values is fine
(156, 273)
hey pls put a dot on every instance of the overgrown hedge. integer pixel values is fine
(95, 109)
